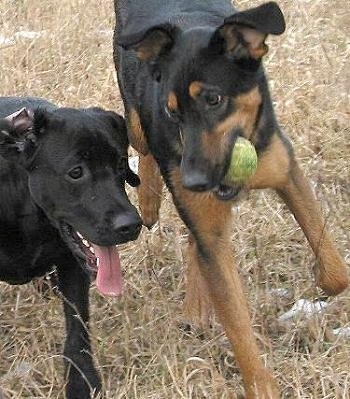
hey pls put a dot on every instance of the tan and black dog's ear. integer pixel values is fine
(152, 43)
(244, 33)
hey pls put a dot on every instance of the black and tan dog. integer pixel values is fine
(192, 81)
(63, 173)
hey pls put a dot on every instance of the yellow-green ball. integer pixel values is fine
(244, 162)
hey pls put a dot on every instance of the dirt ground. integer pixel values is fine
(140, 347)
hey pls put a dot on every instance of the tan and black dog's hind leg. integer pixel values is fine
(209, 222)
(278, 169)
(150, 189)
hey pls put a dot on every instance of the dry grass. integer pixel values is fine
(140, 350)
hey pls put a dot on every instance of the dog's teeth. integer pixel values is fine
(92, 249)
(86, 243)
(79, 235)
(97, 262)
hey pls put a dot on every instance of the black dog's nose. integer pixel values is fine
(127, 226)
(196, 181)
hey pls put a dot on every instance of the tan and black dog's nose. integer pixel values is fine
(196, 181)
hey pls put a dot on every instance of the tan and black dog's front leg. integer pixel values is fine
(278, 169)
(330, 270)
(209, 220)
(150, 190)
(197, 303)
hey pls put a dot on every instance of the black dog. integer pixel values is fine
(63, 173)
(192, 81)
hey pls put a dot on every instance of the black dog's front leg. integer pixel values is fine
(82, 377)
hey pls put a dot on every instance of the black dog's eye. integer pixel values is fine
(76, 173)
(86, 155)
(157, 75)
(155, 72)
(121, 166)
(213, 99)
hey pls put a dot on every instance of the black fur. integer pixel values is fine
(43, 203)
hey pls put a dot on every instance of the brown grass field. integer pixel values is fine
(139, 345)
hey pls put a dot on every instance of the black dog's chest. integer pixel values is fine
(28, 242)
(21, 258)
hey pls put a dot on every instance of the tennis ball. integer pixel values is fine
(243, 164)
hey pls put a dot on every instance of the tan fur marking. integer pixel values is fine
(172, 102)
(273, 166)
(195, 88)
(258, 52)
(152, 45)
(213, 146)
(210, 219)
(330, 271)
(278, 170)
(215, 143)
(230, 34)
(197, 304)
(150, 190)
(244, 117)
(144, 54)
(135, 132)
(195, 201)
(254, 41)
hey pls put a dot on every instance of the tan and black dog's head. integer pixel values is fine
(211, 85)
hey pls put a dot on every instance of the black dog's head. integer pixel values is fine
(211, 86)
(77, 165)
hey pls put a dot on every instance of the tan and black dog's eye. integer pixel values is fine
(172, 115)
(213, 99)
(76, 173)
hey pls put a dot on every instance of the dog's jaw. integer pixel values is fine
(73, 240)
(100, 262)
(226, 193)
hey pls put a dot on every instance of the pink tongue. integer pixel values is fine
(109, 279)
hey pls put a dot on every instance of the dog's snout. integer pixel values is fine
(196, 181)
(127, 226)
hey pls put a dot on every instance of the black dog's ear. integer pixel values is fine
(120, 135)
(152, 43)
(115, 122)
(120, 126)
(15, 129)
(131, 178)
(20, 121)
(243, 34)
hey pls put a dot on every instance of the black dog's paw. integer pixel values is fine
(83, 384)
